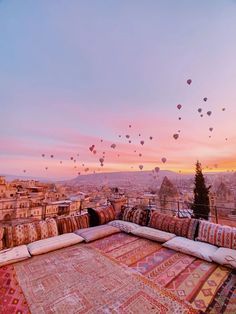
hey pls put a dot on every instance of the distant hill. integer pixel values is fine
(124, 178)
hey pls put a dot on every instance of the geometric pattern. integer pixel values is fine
(12, 299)
(189, 278)
(79, 279)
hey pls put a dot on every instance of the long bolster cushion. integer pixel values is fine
(53, 243)
(153, 234)
(225, 257)
(125, 226)
(98, 232)
(196, 248)
(13, 255)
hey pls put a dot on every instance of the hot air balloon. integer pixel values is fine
(150, 137)
(175, 136)
(199, 110)
(51, 156)
(163, 159)
(179, 106)
(139, 134)
(140, 167)
(180, 118)
(24, 170)
(189, 81)
(209, 113)
(94, 151)
(130, 126)
(127, 136)
(157, 169)
(223, 109)
(201, 115)
(86, 169)
(140, 155)
(101, 160)
(43, 155)
(91, 148)
(129, 141)
(46, 168)
(78, 173)
(205, 98)
(60, 162)
(119, 135)
(113, 146)
(101, 141)
(141, 142)
(71, 158)
(211, 129)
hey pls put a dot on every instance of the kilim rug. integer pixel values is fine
(189, 278)
(80, 279)
(12, 299)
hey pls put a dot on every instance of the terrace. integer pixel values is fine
(116, 267)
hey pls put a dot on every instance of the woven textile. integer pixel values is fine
(225, 298)
(136, 215)
(215, 234)
(225, 257)
(13, 255)
(53, 243)
(125, 226)
(82, 280)
(191, 247)
(94, 233)
(1, 237)
(183, 227)
(153, 234)
(186, 276)
(52, 227)
(42, 229)
(12, 299)
(101, 215)
(21, 234)
(72, 223)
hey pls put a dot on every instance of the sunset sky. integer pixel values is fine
(73, 73)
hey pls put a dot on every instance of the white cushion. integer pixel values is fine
(153, 234)
(53, 243)
(225, 257)
(13, 255)
(196, 248)
(125, 226)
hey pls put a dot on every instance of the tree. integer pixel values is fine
(201, 205)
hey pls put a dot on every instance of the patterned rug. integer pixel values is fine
(189, 278)
(12, 299)
(80, 279)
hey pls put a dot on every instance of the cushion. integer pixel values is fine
(153, 234)
(1, 237)
(53, 243)
(225, 257)
(21, 234)
(101, 215)
(94, 233)
(191, 247)
(184, 227)
(71, 223)
(42, 229)
(125, 226)
(52, 227)
(136, 215)
(216, 234)
(13, 255)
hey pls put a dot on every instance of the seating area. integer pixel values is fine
(190, 260)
